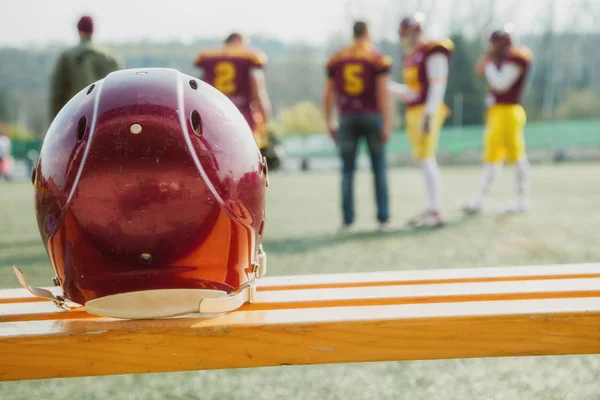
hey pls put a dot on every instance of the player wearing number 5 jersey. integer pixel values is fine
(425, 74)
(237, 71)
(357, 82)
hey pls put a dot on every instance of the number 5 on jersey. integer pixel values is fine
(353, 81)
(224, 77)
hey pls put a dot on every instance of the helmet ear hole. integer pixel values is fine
(81, 128)
(196, 122)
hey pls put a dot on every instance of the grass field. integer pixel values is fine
(302, 217)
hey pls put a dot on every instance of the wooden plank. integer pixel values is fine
(82, 347)
(392, 278)
(20, 295)
(317, 319)
(430, 276)
(360, 296)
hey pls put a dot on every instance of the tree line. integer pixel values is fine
(564, 82)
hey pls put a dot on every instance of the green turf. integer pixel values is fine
(302, 217)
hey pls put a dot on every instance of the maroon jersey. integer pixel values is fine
(522, 57)
(228, 70)
(414, 72)
(354, 70)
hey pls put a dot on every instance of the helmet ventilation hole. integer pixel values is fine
(91, 89)
(146, 258)
(81, 128)
(193, 84)
(261, 228)
(196, 122)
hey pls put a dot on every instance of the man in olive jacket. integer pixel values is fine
(79, 66)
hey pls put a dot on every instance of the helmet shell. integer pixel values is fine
(149, 179)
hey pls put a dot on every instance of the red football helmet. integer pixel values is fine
(150, 198)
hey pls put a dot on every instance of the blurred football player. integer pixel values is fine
(425, 75)
(79, 66)
(357, 81)
(6, 159)
(237, 71)
(505, 68)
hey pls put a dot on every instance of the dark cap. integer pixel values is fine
(86, 24)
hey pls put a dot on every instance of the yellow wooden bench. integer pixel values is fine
(319, 319)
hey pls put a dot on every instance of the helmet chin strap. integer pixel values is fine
(41, 292)
(163, 303)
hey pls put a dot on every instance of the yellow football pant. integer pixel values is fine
(424, 146)
(504, 133)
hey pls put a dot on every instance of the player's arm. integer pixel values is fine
(328, 106)
(384, 103)
(436, 68)
(481, 63)
(400, 91)
(199, 64)
(117, 62)
(329, 99)
(382, 88)
(503, 78)
(59, 85)
(259, 92)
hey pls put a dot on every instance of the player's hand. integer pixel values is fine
(481, 63)
(426, 124)
(333, 132)
(386, 134)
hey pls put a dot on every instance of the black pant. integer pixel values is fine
(352, 129)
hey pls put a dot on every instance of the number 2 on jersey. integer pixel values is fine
(224, 77)
(353, 82)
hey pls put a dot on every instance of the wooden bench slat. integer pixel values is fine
(20, 295)
(33, 311)
(356, 296)
(430, 276)
(448, 292)
(391, 278)
(47, 349)
(319, 319)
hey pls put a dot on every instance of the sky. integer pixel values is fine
(40, 22)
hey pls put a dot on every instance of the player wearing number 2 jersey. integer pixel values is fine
(236, 70)
(357, 81)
